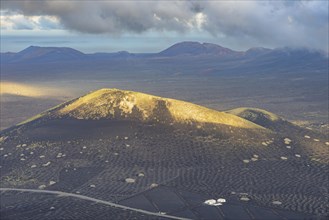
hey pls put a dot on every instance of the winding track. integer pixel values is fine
(93, 200)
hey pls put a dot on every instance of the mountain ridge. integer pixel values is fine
(181, 49)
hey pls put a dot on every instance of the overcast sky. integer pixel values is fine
(149, 26)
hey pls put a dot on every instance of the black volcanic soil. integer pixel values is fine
(45, 206)
(171, 169)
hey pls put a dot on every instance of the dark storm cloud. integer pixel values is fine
(272, 23)
(110, 16)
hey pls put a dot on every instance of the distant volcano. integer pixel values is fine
(33, 53)
(196, 48)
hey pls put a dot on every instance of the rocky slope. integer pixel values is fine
(119, 104)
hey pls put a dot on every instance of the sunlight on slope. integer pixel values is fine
(27, 90)
(102, 104)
